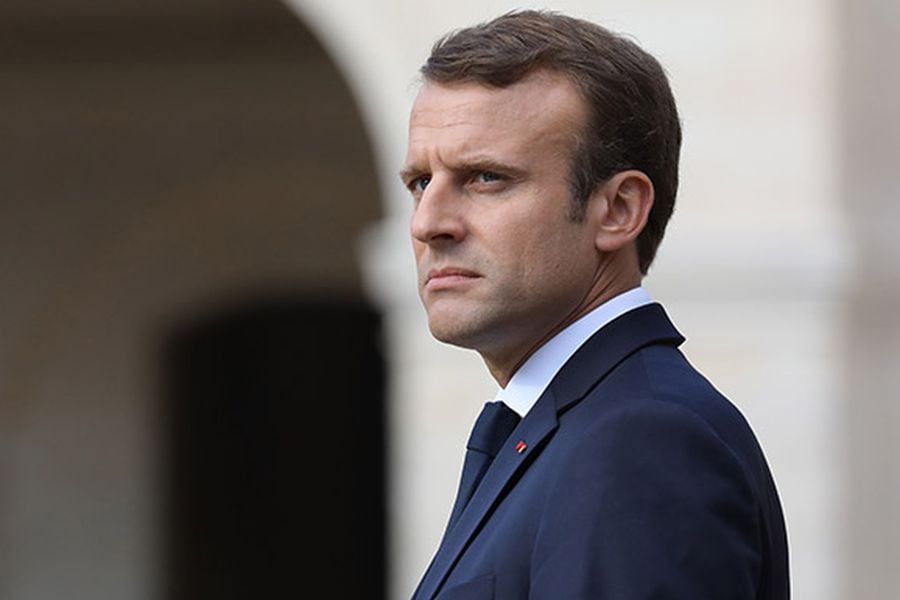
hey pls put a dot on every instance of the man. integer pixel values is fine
(543, 165)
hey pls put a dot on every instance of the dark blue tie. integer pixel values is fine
(493, 426)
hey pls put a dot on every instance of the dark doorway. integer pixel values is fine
(276, 416)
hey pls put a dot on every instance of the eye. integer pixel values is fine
(419, 183)
(487, 177)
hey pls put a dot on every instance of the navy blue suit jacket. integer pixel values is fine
(639, 481)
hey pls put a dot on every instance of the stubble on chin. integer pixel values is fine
(453, 327)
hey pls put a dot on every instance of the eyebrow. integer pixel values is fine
(409, 173)
(474, 163)
(484, 163)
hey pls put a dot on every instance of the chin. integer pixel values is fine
(448, 336)
(453, 332)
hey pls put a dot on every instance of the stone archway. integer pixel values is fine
(162, 160)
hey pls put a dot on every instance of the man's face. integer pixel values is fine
(501, 265)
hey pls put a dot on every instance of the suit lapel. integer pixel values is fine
(590, 364)
(537, 425)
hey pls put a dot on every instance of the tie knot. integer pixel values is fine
(493, 426)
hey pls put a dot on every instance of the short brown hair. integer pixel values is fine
(632, 123)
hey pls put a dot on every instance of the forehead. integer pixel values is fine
(543, 112)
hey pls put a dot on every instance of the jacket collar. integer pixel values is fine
(608, 347)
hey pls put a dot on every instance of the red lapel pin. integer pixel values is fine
(521, 446)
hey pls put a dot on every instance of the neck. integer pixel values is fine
(503, 365)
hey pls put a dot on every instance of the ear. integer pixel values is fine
(619, 208)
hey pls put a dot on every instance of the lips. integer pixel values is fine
(449, 277)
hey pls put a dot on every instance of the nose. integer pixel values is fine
(437, 217)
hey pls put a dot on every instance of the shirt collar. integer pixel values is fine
(533, 377)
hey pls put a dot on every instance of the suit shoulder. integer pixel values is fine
(661, 374)
(658, 383)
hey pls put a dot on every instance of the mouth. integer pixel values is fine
(448, 278)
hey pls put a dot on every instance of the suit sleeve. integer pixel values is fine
(654, 505)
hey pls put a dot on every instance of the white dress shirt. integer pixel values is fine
(533, 377)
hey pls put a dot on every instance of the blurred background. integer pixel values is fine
(215, 377)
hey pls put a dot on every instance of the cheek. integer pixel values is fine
(559, 253)
(530, 262)
(535, 243)
(418, 249)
